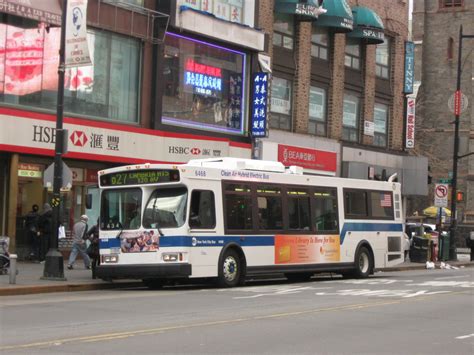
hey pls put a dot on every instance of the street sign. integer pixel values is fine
(48, 179)
(441, 195)
(446, 181)
(458, 103)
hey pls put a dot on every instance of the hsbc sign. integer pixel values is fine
(109, 142)
(193, 151)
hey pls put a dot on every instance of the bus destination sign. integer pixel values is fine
(139, 177)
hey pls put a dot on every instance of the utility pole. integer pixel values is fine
(54, 263)
(456, 157)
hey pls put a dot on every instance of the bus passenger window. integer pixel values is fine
(325, 211)
(298, 209)
(381, 204)
(238, 212)
(270, 215)
(203, 212)
(355, 204)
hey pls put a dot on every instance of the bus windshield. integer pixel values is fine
(166, 208)
(121, 209)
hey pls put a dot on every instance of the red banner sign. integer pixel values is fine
(307, 158)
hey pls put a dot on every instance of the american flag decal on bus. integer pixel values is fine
(385, 200)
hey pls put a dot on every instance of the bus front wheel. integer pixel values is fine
(363, 263)
(230, 269)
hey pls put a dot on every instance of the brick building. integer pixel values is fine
(436, 27)
(338, 86)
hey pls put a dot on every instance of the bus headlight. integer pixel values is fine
(170, 257)
(112, 258)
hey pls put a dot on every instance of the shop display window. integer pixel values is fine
(204, 85)
(29, 62)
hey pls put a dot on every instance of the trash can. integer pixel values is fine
(443, 247)
(419, 250)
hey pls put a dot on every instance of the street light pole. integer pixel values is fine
(456, 157)
(54, 263)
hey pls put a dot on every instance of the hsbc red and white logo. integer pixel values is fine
(78, 138)
(184, 150)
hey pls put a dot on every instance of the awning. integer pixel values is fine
(368, 26)
(48, 11)
(338, 16)
(308, 10)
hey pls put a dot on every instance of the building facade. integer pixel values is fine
(174, 80)
(338, 86)
(436, 26)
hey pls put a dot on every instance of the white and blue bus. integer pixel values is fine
(232, 218)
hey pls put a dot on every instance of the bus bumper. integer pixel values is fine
(143, 271)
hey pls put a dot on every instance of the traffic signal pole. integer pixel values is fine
(456, 157)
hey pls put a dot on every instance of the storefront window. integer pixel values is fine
(350, 119)
(283, 31)
(380, 125)
(319, 42)
(352, 58)
(317, 111)
(109, 89)
(281, 104)
(382, 59)
(204, 85)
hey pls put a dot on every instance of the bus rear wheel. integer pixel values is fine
(363, 263)
(230, 269)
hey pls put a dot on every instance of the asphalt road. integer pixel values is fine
(411, 312)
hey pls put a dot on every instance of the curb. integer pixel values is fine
(422, 266)
(36, 289)
(30, 290)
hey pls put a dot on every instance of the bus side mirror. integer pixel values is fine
(89, 201)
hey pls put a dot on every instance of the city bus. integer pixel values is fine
(229, 219)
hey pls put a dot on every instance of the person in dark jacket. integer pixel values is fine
(31, 226)
(45, 225)
(79, 237)
(93, 249)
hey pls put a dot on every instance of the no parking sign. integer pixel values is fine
(441, 195)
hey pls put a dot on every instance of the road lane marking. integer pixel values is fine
(107, 336)
(465, 336)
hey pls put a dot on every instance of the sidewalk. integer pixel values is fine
(28, 280)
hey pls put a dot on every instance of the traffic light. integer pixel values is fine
(430, 177)
(459, 196)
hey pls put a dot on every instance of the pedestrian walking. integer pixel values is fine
(32, 230)
(93, 249)
(45, 226)
(79, 238)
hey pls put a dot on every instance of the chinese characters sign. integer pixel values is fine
(204, 79)
(409, 67)
(410, 133)
(307, 158)
(259, 105)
